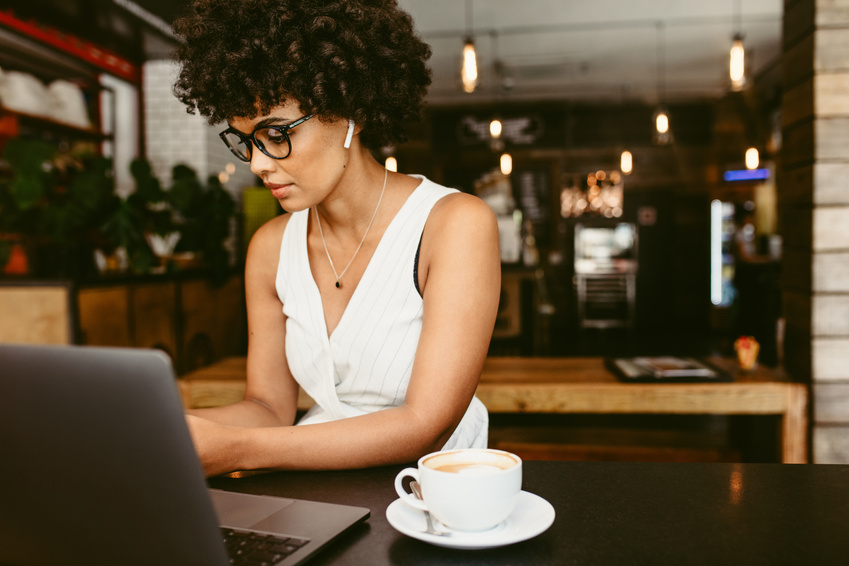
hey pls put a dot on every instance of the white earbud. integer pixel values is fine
(350, 134)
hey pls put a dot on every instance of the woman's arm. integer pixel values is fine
(271, 393)
(460, 272)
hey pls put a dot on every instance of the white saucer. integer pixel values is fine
(532, 516)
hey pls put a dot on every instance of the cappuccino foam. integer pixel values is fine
(471, 462)
(466, 468)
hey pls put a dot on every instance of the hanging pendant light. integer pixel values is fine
(469, 71)
(626, 162)
(470, 66)
(661, 120)
(496, 144)
(495, 128)
(753, 158)
(737, 56)
(661, 134)
(737, 63)
(506, 163)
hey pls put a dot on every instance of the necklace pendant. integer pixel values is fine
(324, 242)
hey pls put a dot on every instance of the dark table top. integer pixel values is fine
(612, 513)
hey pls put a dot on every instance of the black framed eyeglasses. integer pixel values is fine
(273, 141)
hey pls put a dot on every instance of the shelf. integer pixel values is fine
(49, 124)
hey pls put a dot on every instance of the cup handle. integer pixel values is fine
(408, 498)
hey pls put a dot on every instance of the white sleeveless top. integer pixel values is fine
(365, 365)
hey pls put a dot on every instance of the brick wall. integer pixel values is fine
(174, 136)
(814, 213)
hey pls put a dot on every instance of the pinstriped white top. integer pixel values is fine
(365, 365)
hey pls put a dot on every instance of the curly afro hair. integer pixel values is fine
(349, 59)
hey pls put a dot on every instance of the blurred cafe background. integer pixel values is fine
(667, 177)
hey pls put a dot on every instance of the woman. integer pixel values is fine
(377, 292)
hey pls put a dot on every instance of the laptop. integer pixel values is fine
(97, 468)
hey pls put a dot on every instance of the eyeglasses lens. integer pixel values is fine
(238, 146)
(273, 142)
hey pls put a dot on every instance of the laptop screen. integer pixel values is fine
(99, 469)
(98, 465)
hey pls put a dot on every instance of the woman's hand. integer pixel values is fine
(213, 444)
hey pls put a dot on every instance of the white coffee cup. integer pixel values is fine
(466, 490)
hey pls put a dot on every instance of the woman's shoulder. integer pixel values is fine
(272, 230)
(459, 223)
(461, 233)
(265, 242)
(459, 208)
(451, 202)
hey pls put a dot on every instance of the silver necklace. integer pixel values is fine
(320, 231)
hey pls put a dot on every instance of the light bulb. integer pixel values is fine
(495, 128)
(626, 162)
(752, 158)
(661, 122)
(391, 164)
(469, 74)
(506, 164)
(737, 63)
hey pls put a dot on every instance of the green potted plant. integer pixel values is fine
(21, 187)
(54, 201)
(184, 226)
(142, 213)
(204, 215)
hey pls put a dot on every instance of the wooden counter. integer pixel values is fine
(185, 314)
(581, 386)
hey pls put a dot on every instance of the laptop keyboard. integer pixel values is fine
(247, 548)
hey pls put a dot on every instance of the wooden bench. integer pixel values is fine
(522, 385)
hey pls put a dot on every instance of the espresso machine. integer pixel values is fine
(605, 273)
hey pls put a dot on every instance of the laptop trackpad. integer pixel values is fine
(244, 510)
